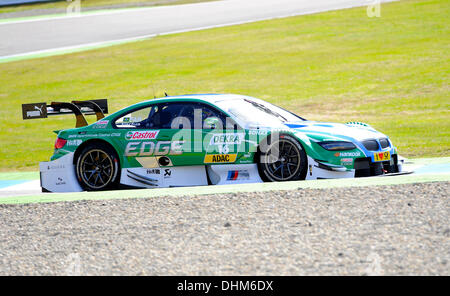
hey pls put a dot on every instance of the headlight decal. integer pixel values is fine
(337, 145)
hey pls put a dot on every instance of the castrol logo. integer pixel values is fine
(142, 135)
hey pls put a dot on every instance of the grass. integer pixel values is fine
(94, 3)
(391, 72)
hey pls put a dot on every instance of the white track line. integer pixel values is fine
(26, 186)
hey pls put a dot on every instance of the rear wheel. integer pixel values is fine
(97, 167)
(284, 160)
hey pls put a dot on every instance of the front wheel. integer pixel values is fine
(97, 168)
(283, 160)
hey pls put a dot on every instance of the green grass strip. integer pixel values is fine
(19, 176)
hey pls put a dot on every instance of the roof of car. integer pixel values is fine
(212, 98)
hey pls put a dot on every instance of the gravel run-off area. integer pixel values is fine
(380, 230)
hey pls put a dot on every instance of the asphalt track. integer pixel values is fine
(20, 188)
(38, 36)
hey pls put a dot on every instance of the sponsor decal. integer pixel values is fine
(227, 138)
(36, 113)
(220, 158)
(167, 173)
(238, 175)
(153, 172)
(347, 154)
(37, 110)
(346, 161)
(33, 113)
(56, 167)
(246, 158)
(60, 181)
(151, 148)
(257, 132)
(141, 135)
(101, 124)
(109, 135)
(131, 120)
(84, 135)
(382, 156)
(142, 179)
(74, 142)
(223, 149)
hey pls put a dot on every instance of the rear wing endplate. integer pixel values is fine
(79, 108)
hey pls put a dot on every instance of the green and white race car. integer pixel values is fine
(209, 139)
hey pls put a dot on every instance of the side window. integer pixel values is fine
(167, 115)
(179, 115)
(136, 119)
(176, 115)
(209, 117)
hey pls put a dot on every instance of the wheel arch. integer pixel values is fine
(90, 142)
(306, 146)
(303, 141)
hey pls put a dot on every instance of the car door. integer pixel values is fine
(178, 133)
(223, 140)
(157, 135)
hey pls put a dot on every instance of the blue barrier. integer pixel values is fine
(17, 2)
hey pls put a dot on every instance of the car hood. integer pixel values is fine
(336, 131)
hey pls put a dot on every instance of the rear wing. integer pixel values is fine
(79, 108)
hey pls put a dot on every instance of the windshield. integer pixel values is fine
(251, 111)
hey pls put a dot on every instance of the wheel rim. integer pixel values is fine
(287, 164)
(96, 169)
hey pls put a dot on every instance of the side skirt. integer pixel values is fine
(233, 174)
(164, 177)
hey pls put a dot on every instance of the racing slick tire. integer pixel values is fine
(282, 159)
(98, 167)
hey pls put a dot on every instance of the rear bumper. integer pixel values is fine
(59, 175)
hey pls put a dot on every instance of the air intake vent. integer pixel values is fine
(384, 143)
(371, 145)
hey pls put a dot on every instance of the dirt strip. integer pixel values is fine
(382, 230)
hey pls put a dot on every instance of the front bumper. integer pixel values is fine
(366, 167)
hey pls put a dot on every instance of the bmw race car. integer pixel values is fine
(194, 140)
